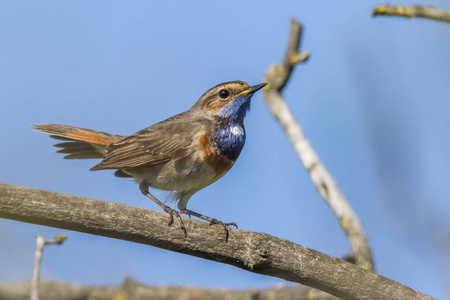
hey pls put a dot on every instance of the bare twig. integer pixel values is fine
(412, 11)
(41, 242)
(252, 251)
(277, 76)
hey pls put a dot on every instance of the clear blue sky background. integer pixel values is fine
(373, 100)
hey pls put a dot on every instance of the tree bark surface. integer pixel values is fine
(253, 251)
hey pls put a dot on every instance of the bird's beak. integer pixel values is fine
(254, 89)
(257, 87)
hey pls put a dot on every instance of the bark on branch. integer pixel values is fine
(252, 251)
(412, 11)
(277, 76)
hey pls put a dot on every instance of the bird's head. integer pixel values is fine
(230, 100)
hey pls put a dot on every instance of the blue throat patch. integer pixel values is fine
(236, 110)
(231, 136)
(231, 140)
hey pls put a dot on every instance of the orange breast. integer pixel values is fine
(210, 154)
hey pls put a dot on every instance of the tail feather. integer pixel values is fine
(81, 143)
(56, 137)
(85, 155)
(78, 150)
(74, 145)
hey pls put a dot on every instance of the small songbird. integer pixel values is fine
(182, 154)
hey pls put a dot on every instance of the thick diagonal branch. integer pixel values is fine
(412, 11)
(253, 251)
(277, 76)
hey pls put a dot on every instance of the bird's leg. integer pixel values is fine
(211, 221)
(143, 186)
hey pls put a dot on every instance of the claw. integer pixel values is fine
(224, 225)
(172, 212)
(211, 221)
(181, 224)
(232, 224)
(186, 213)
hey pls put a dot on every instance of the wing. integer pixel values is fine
(169, 139)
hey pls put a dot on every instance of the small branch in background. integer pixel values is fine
(41, 242)
(277, 76)
(133, 289)
(412, 11)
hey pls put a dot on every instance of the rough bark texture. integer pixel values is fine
(253, 251)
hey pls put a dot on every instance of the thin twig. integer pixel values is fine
(252, 251)
(41, 242)
(412, 11)
(277, 76)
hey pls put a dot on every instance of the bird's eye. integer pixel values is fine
(224, 94)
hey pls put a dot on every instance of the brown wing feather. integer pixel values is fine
(153, 145)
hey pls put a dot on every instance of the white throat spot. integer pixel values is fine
(237, 130)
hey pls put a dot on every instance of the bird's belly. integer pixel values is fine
(191, 173)
(194, 171)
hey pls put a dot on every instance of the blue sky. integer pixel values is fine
(373, 100)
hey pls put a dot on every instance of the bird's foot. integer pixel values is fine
(144, 189)
(173, 212)
(224, 225)
(211, 221)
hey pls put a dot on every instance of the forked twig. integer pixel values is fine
(41, 242)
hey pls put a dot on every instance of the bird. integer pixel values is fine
(182, 154)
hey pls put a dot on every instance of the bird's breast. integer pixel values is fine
(230, 140)
(211, 154)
